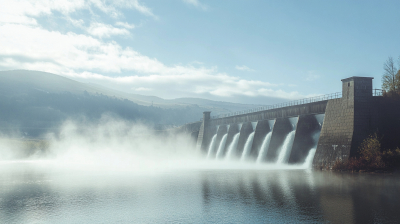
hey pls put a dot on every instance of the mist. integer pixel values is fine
(113, 144)
(110, 143)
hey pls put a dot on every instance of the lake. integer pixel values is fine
(50, 192)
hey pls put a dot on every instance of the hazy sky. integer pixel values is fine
(241, 51)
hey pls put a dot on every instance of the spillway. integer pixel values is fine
(233, 146)
(291, 140)
(286, 148)
(221, 146)
(309, 158)
(264, 147)
(247, 146)
(212, 146)
(311, 153)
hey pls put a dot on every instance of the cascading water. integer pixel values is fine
(254, 125)
(247, 146)
(264, 147)
(320, 119)
(286, 148)
(211, 148)
(233, 146)
(221, 149)
(221, 146)
(309, 159)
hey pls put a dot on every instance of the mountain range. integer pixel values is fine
(34, 102)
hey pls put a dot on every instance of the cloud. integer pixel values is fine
(105, 30)
(141, 8)
(312, 75)
(196, 3)
(26, 12)
(25, 44)
(202, 84)
(244, 68)
(142, 89)
(125, 25)
(67, 54)
(76, 22)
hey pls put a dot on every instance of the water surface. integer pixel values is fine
(40, 192)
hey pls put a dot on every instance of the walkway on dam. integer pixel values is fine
(376, 92)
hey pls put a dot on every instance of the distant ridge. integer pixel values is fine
(33, 103)
(24, 81)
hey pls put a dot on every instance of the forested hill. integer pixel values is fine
(32, 103)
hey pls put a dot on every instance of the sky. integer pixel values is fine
(257, 51)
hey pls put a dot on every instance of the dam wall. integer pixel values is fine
(332, 129)
(289, 111)
(385, 114)
(351, 119)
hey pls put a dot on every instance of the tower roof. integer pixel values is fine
(356, 77)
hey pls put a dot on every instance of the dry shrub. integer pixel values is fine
(371, 158)
(392, 158)
(339, 165)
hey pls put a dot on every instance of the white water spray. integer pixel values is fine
(233, 146)
(264, 147)
(247, 146)
(211, 148)
(320, 119)
(309, 159)
(221, 146)
(286, 148)
(254, 125)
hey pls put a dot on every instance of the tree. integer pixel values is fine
(391, 76)
(370, 148)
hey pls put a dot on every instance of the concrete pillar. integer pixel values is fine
(303, 140)
(261, 131)
(245, 131)
(281, 129)
(222, 130)
(203, 137)
(232, 131)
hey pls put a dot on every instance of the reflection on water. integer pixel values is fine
(40, 193)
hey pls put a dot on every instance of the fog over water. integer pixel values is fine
(120, 172)
(115, 144)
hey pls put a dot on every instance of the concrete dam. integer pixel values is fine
(317, 131)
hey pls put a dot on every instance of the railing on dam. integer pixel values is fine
(285, 104)
(377, 92)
